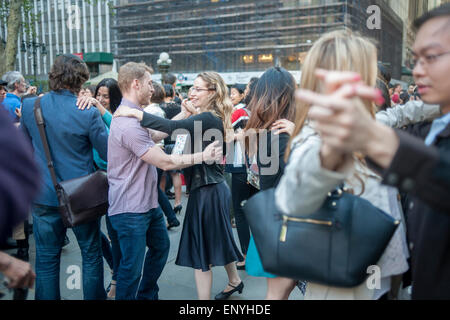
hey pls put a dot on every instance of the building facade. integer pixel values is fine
(64, 26)
(245, 35)
(222, 35)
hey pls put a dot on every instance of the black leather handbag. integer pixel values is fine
(333, 246)
(82, 199)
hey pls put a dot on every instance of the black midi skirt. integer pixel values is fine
(207, 237)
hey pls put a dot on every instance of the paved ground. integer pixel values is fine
(176, 283)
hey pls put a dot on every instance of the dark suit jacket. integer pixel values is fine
(19, 176)
(424, 172)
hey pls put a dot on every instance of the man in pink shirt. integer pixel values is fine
(133, 196)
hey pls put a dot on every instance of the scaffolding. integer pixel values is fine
(227, 35)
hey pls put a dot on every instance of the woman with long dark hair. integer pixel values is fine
(241, 190)
(273, 100)
(108, 94)
(107, 98)
(237, 95)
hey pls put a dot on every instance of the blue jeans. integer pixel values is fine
(49, 233)
(106, 251)
(135, 231)
(166, 206)
(164, 202)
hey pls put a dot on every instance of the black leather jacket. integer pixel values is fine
(202, 174)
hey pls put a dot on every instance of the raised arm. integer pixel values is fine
(410, 113)
(155, 156)
(427, 174)
(98, 135)
(200, 122)
(150, 121)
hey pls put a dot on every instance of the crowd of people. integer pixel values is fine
(345, 123)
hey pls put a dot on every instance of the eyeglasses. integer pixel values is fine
(201, 89)
(428, 59)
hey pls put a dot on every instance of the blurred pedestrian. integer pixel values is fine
(19, 183)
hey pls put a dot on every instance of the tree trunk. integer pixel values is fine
(10, 51)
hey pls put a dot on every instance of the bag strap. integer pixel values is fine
(41, 126)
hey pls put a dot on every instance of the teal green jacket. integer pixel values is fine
(101, 164)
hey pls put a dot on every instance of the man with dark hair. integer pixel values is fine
(411, 89)
(171, 79)
(404, 161)
(170, 93)
(71, 135)
(404, 98)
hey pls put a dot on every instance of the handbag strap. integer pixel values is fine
(41, 126)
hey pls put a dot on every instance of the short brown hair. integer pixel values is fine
(158, 94)
(68, 72)
(131, 71)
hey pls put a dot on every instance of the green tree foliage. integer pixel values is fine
(11, 11)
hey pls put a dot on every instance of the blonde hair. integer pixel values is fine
(341, 50)
(131, 71)
(219, 103)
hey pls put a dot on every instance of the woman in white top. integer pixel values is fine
(314, 168)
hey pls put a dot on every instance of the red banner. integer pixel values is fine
(79, 55)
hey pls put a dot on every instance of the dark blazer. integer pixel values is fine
(424, 172)
(19, 176)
